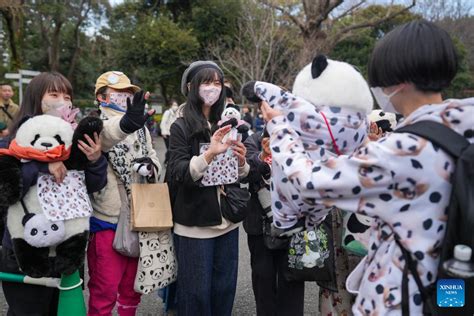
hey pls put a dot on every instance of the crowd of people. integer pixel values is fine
(314, 163)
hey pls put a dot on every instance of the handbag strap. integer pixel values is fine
(6, 112)
(411, 264)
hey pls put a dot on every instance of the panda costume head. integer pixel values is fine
(326, 82)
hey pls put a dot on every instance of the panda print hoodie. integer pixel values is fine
(402, 181)
(324, 132)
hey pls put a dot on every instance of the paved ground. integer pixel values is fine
(244, 301)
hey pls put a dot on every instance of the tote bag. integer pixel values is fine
(311, 254)
(125, 240)
(150, 207)
(157, 266)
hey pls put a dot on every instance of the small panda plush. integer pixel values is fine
(44, 247)
(385, 120)
(356, 233)
(231, 116)
(41, 232)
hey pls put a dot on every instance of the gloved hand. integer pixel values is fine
(135, 118)
(144, 166)
(248, 91)
(265, 170)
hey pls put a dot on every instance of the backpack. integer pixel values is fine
(460, 224)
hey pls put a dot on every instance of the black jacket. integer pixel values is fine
(253, 222)
(193, 205)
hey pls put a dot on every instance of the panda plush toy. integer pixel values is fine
(328, 110)
(48, 222)
(231, 116)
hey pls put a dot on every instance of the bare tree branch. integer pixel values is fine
(373, 23)
(286, 13)
(81, 16)
(350, 10)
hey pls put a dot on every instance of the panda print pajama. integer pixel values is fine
(401, 180)
(324, 132)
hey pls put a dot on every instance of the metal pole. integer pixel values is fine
(20, 90)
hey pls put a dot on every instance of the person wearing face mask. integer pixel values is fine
(401, 180)
(126, 141)
(48, 93)
(206, 242)
(168, 119)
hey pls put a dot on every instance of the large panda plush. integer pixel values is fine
(47, 241)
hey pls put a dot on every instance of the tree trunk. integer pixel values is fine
(53, 50)
(164, 93)
(315, 42)
(13, 23)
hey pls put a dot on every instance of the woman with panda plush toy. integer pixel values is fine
(36, 243)
(206, 242)
(401, 180)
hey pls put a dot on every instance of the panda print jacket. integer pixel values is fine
(402, 181)
(324, 131)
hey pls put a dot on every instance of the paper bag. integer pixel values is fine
(151, 207)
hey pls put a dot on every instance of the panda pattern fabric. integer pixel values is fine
(348, 128)
(402, 181)
(65, 200)
(157, 266)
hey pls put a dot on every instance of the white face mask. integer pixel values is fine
(383, 99)
(174, 107)
(209, 94)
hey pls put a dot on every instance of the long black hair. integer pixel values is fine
(192, 112)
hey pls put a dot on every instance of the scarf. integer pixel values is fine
(58, 153)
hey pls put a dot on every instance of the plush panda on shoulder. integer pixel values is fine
(49, 225)
(385, 120)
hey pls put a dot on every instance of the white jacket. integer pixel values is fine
(168, 119)
(402, 181)
(107, 202)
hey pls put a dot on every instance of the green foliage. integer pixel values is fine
(357, 48)
(214, 19)
(152, 41)
(463, 79)
(153, 50)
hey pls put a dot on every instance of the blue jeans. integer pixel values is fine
(207, 274)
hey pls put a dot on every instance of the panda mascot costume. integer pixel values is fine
(48, 222)
(328, 109)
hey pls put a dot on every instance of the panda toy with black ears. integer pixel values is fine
(328, 110)
(231, 116)
(48, 222)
